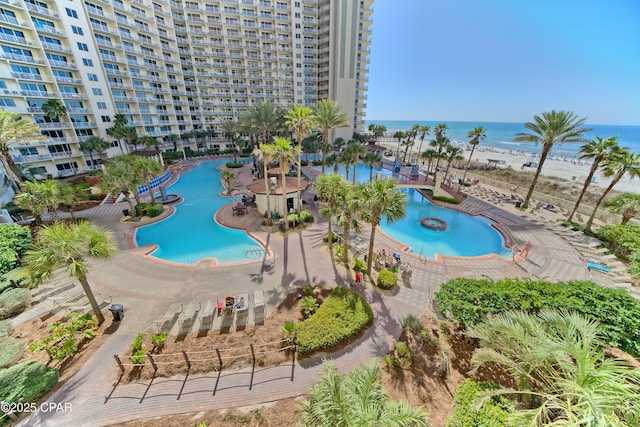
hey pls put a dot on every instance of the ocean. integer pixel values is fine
(500, 135)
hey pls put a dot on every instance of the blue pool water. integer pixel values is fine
(465, 235)
(192, 234)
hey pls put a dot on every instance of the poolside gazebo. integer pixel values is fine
(275, 193)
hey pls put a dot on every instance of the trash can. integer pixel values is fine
(518, 203)
(117, 310)
(125, 212)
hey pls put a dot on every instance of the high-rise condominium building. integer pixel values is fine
(172, 67)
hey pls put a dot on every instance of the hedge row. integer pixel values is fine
(13, 302)
(493, 412)
(14, 241)
(11, 350)
(470, 301)
(624, 241)
(342, 316)
(149, 209)
(26, 382)
(5, 328)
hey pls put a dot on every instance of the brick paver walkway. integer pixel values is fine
(146, 288)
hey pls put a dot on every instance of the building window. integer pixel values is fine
(97, 91)
(77, 30)
(6, 102)
(105, 119)
(297, 36)
(102, 105)
(72, 13)
(87, 62)
(83, 46)
(93, 77)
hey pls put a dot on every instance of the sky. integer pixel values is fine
(505, 60)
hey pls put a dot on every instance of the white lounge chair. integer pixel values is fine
(242, 304)
(173, 311)
(258, 299)
(188, 313)
(207, 313)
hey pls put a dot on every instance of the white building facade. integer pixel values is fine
(173, 67)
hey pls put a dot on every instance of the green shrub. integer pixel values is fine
(13, 209)
(159, 339)
(387, 279)
(342, 316)
(96, 197)
(11, 350)
(14, 302)
(8, 259)
(624, 241)
(26, 382)
(155, 209)
(5, 328)
(306, 216)
(82, 186)
(325, 238)
(137, 343)
(412, 324)
(231, 165)
(304, 163)
(245, 155)
(339, 250)
(465, 184)
(403, 351)
(471, 301)
(309, 305)
(14, 241)
(66, 336)
(359, 265)
(446, 199)
(139, 357)
(171, 156)
(317, 163)
(493, 412)
(390, 362)
(290, 328)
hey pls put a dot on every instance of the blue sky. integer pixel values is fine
(505, 60)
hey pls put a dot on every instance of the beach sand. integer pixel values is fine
(561, 168)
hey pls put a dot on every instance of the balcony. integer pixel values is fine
(20, 159)
(26, 76)
(55, 125)
(62, 64)
(56, 47)
(22, 58)
(41, 10)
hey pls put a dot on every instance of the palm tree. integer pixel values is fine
(348, 210)
(429, 154)
(126, 133)
(451, 153)
(399, 135)
(147, 169)
(334, 159)
(625, 204)
(371, 159)
(424, 131)
(552, 127)
(356, 399)
(381, 198)
(311, 144)
(229, 129)
(300, 121)
(477, 135)
(119, 121)
(557, 359)
(94, 143)
(265, 153)
(355, 151)
(148, 141)
(338, 143)
(118, 177)
(440, 129)
(54, 109)
(618, 164)
(441, 143)
(227, 177)
(39, 197)
(285, 153)
(14, 129)
(266, 118)
(411, 140)
(597, 150)
(330, 188)
(328, 115)
(71, 246)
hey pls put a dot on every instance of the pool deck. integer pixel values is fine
(146, 288)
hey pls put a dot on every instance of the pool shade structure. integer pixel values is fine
(275, 194)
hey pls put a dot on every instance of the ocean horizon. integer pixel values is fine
(500, 135)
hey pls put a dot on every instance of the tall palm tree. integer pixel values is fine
(123, 133)
(71, 246)
(14, 130)
(39, 197)
(441, 143)
(147, 169)
(440, 129)
(411, 140)
(266, 117)
(94, 143)
(429, 154)
(424, 131)
(451, 153)
(381, 198)
(334, 159)
(372, 159)
(355, 151)
(227, 177)
(119, 121)
(265, 154)
(621, 162)
(356, 399)
(300, 121)
(557, 359)
(229, 129)
(597, 150)
(54, 109)
(285, 154)
(626, 204)
(477, 135)
(550, 128)
(118, 176)
(349, 208)
(311, 144)
(330, 188)
(328, 115)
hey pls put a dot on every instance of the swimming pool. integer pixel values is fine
(191, 233)
(464, 235)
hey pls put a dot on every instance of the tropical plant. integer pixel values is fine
(399, 135)
(265, 153)
(121, 131)
(227, 177)
(626, 204)
(39, 197)
(94, 143)
(355, 399)
(290, 328)
(411, 140)
(328, 115)
(333, 159)
(266, 118)
(13, 130)
(440, 143)
(493, 412)
(285, 153)
(477, 135)
(70, 246)
(551, 128)
(558, 362)
(311, 144)
(309, 305)
(451, 153)
(66, 336)
(381, 198)
(429, 154)
(229, 129)
(597, 150)
(424, 131)
(300, 121)
(348, 210)
(354, 151)
(371, 159)
(118, 177)
(148, 141)
(146, 169)
(330, 189)
(619, 163)
(387, 279)
(53, 109)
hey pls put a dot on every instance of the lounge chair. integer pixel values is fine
(188, 313)
(207, 313)
(173, 311)
(258, 300)
(242, 304)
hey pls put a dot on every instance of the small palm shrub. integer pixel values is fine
(387, 279)
(404, 352)
(412, 324)
(290, 328)
(232, 165)
(309, 305)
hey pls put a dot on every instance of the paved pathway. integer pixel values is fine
(146, 288)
